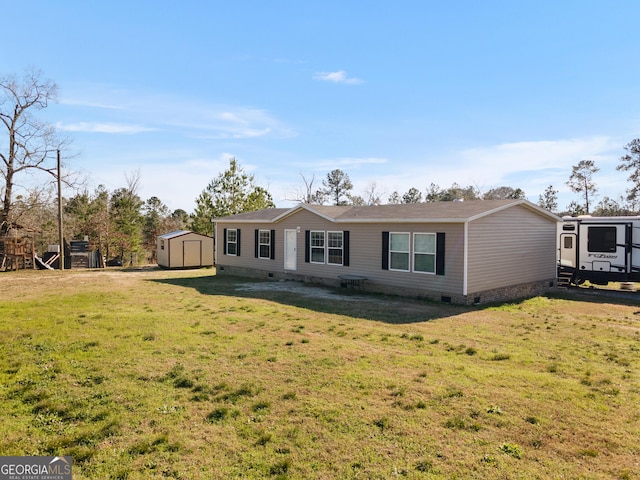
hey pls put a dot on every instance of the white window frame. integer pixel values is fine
(329, 247)
(267, 234)
(407, 252)
(318, 247)
(233, 242)
(415, 253)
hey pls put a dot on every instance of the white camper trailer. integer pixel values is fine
(599, 249)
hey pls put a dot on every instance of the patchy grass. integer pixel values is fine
(154, 374)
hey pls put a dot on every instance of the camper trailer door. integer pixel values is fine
(603, 247)
(568, 249)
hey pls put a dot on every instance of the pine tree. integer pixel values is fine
(232, 192)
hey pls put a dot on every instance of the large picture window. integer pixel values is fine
(330, 248)
(232, 242)
(399, 251)
(317, 247)
(334, 247)
(264, 244)
(414, 252)
(424, 252)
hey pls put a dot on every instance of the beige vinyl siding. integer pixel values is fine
(247, 256)
(510, 247)
(365, 252)
(366, 257)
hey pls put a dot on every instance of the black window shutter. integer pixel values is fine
(257, 243)
(273, 244)
(385, 250)
(224, 241)
(440, 254)
(345, 248)
(307, 245)
(238, 244)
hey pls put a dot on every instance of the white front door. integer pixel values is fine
(290, 249)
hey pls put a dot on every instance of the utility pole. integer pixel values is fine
(61, 235)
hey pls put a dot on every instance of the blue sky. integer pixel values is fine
(402, 93)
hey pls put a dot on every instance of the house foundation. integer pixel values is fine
(497, 295)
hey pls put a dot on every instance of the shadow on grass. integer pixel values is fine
(598, 295)
(338, 301)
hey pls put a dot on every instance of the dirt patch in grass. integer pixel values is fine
(320, 293)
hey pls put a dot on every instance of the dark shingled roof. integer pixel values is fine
(413, 212)
(267, 215)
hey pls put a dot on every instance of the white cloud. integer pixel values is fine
(107, 110)
(534, 165)
(96, 127)
(337, 77)
(227, 122)
(77, 102)
(535, 155)
(531, 165)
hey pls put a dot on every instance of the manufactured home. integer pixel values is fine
(184, 249)
(459, 252)
(599, 249)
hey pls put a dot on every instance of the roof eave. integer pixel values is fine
(525, 203)
(401, 220)
(253, 220)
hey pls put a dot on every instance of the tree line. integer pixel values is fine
(123, 225)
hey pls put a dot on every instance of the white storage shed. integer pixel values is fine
(184, 249)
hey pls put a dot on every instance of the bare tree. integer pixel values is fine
(308, 194)
(133, 181)
(371, 194)
(27, 144)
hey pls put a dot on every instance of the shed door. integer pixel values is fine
(290, 238)
(191, 253)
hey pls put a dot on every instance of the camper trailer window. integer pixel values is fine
(568, 242)
(601, 239)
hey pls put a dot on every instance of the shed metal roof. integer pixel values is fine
(178, 233)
